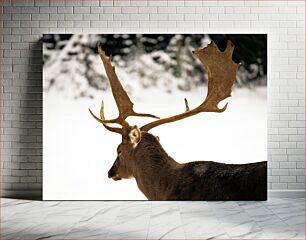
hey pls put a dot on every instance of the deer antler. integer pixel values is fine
(221, 77)
(124, 104)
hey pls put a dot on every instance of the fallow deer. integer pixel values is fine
(160, 177)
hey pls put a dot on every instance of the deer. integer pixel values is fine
(158, 176)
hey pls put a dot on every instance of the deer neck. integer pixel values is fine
(154, 170)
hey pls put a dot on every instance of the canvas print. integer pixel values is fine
(155, 117)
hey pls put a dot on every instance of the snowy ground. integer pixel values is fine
(78, 151)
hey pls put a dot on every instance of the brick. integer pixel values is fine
(279, 124)
(99, 24)
(73, 16)
(6, 172)
(195, 3)
(287, 131)
(112, 10)
(129, 10)
(273, 165)
(287, 145)
(287, 165)
(24, 3)
(230, 3)
(11, 24)
(65, 10)
(160, 17)
(279, 158)
(73, 3)
(47, 24)
(35, 173)
(91, 3)
(290, 10)
(41, 16)
(7, 17)
(190, 17)
(287, 179)
(114, 24)
(21, 17)
(221, 24)
(299, 157)
(166, 9)
(167, 24)
(147, 9)
(107, 16)
(288, 116)
(277, 186)
(297, 124)
(202, 10)
(148, 24)
(42, 2)
(122, 17)
(122, 3)
(40, 31)
(29, 24)
(19, 173)
(300, 165)
(216, 10)
(11, 179)
(273, 179)
(296, 186)
(29, 10)
(300, 145)
(50, 10)
(139, 17)
(82, 24)
(129, 24)
(81, 9)
(27, 179)
(261, 10)
(300, 179)
(96, 9)
(138, 3)
(11, 53)
(177, 17)
(60, 3)
(158, 3)
(28, 38)
(11, 9)
(65, 24)
(185, 9)
(296, 151)
(276, 151)
(296, 172)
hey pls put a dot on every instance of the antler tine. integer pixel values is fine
(123, 102)
(221, 77)
(102, 118)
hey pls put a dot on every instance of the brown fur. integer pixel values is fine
(160, 177)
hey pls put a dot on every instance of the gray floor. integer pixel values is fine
(274, 219)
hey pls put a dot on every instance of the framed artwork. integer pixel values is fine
(155, 117)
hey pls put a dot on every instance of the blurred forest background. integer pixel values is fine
(72, 65)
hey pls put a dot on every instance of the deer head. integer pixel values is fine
(221, 76)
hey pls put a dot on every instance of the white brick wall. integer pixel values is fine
(25, 20)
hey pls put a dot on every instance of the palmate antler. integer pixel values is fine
(124, 104)
(221, 77)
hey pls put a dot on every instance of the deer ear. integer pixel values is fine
(135, 135)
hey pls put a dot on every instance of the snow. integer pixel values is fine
(78, 151)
